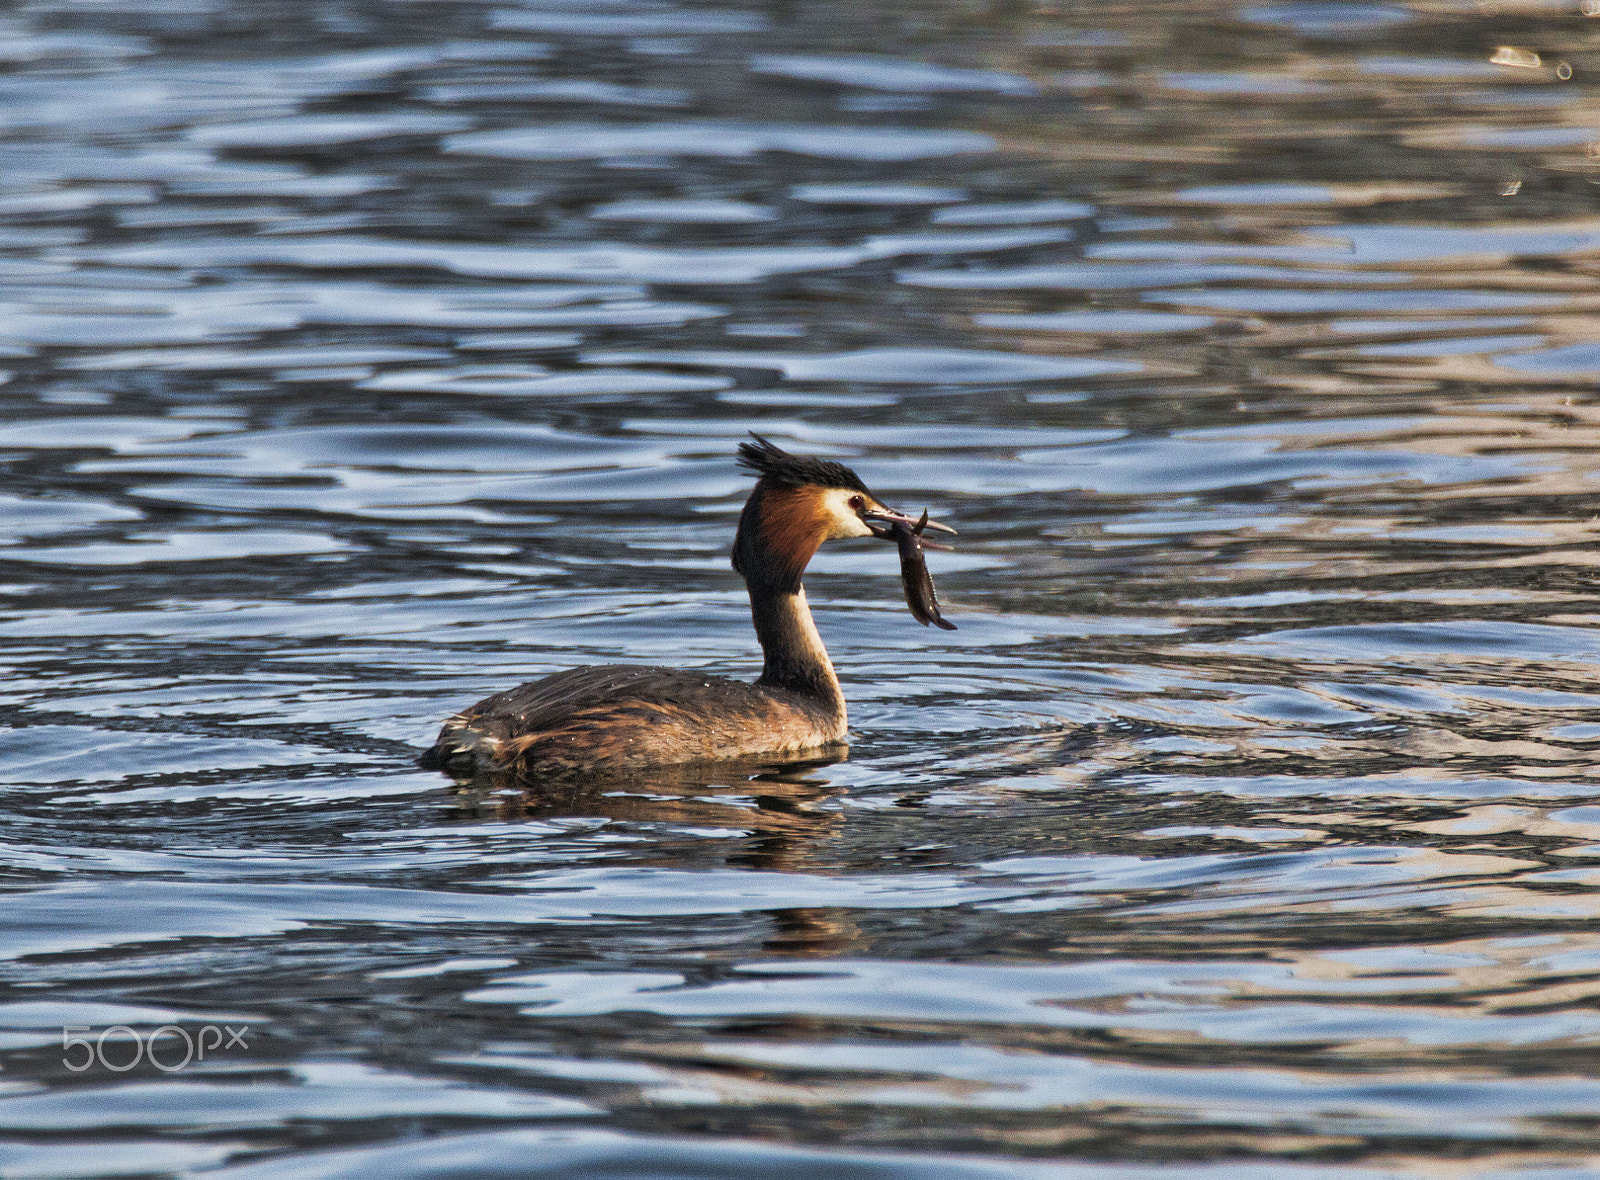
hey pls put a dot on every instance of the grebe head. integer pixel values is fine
(799, 502)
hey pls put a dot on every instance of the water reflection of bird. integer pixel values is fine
(621, 717)
(782, 810)
(756, 816)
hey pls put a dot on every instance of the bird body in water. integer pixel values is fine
(627, 717)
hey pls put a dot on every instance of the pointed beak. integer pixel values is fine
(882, 520)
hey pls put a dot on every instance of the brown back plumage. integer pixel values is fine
(628, 716)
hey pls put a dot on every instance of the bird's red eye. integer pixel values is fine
(857, 503)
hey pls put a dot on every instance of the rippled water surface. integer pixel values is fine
(362, 358)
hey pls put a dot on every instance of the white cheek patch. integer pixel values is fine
(846, 522)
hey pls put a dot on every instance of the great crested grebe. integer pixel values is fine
(627, 717)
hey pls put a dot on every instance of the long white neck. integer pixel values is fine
(795, 657)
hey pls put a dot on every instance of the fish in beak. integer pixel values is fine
(907, 534)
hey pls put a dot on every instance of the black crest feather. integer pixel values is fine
(795, 471)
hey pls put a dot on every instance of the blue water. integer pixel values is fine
(361, 359)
